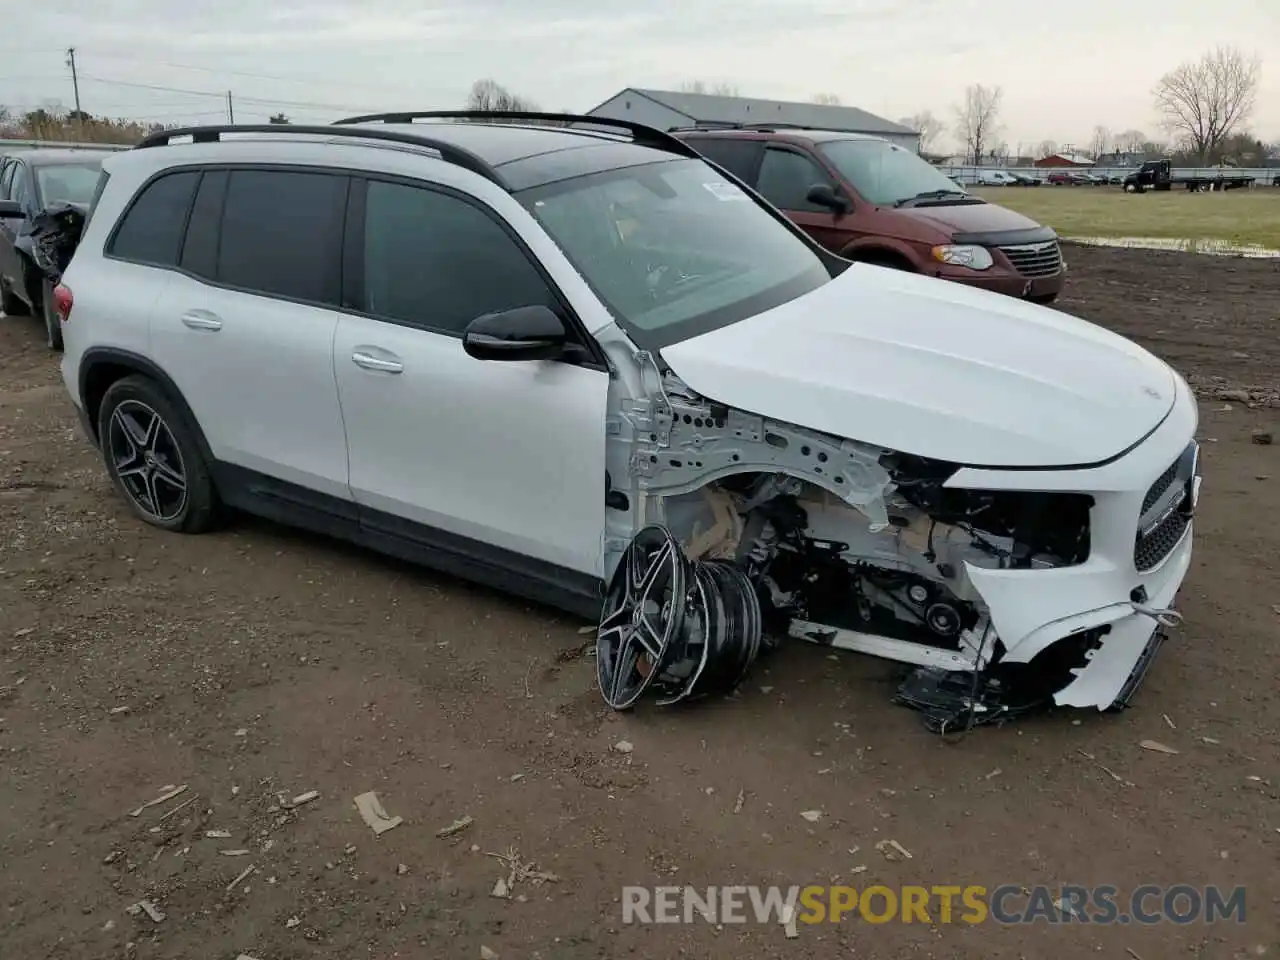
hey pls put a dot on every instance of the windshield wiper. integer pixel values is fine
(930, 195)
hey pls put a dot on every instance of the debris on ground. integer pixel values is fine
(166, 794)
(623, 746)
(153, 912)
(185, 803)
(240, 877)
(118, 710)
(1261, 437)
(739, 801)
(374, 815)
(302, 798)
(234, 853)
(402, 869)
(487, 954)
(1105, 769)
(518, 870)
(1156, 746)
(893, 850)
(218, 834)
(993, 774)
(1168, 721)
(455, 828)
(813, 816)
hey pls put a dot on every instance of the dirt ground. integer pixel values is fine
(258, 663)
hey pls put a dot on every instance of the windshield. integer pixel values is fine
(884, 173)
(674, 250)
(67, 183)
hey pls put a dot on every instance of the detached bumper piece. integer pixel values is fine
(951, 701)
(673, 628)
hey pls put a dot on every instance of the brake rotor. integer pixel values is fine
(644, 611)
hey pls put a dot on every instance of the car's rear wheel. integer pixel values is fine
(52, 328)
(10, 303)
(153, 458)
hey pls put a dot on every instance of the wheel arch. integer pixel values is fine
(880, 253)
(100, 367)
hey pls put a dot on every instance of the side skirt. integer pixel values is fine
(295, 506)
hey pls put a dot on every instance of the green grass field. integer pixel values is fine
(1234, 216)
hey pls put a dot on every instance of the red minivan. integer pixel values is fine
(870, 200)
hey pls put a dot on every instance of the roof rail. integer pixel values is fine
(761, 127)
(640, 133)
(449, 152)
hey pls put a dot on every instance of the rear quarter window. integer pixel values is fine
(151, 229)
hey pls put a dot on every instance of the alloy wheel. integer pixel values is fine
(146, 460)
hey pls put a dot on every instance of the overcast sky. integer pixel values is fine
(1064, 66)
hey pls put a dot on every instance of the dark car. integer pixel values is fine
(31, 181)
(1025, 179)
(873, 201)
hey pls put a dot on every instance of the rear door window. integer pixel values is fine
(282, 234)
(786, 177)
(151, 230)
(6, 178)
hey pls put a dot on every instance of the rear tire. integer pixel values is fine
(153, 458)
(10, 304)
(52, 328)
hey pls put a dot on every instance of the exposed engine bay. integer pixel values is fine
(837, 543)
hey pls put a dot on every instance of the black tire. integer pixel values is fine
(151, 453)
(10, 303)
(52, 328)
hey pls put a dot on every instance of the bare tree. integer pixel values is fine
(1203, 102)
(1047, 148)
(826, 99)
(927, 125)
(978, 118)
(489, 95)
(712, 89)
(1130, 141)
(1101, 141)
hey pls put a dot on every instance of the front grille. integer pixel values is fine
(1166, 511)
(1035, 259)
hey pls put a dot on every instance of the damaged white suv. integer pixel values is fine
(586, 366)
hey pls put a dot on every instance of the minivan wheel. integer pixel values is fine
(52, 328)
(153, 459)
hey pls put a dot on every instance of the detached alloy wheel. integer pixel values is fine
(153, 459)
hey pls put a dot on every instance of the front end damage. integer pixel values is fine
(1008, 590)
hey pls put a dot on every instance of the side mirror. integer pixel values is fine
(522, 333)
(824, 195)
(11, 210)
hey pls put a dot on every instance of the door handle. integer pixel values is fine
(370, 362)
(201, 320)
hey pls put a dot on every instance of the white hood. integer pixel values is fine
(936, 369)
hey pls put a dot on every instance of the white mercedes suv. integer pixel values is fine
(570, 358)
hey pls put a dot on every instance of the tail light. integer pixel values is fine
(63, 301)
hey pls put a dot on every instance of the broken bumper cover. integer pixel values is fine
(1033, 609)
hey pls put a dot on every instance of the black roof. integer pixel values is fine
(528, 156)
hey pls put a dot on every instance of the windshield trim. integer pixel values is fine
(699, 324)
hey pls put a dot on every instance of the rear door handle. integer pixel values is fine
(201, 320)
(369, 362)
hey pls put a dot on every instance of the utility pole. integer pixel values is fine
(231, 110)
(75, 85)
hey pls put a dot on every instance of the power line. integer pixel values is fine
(222, 95)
